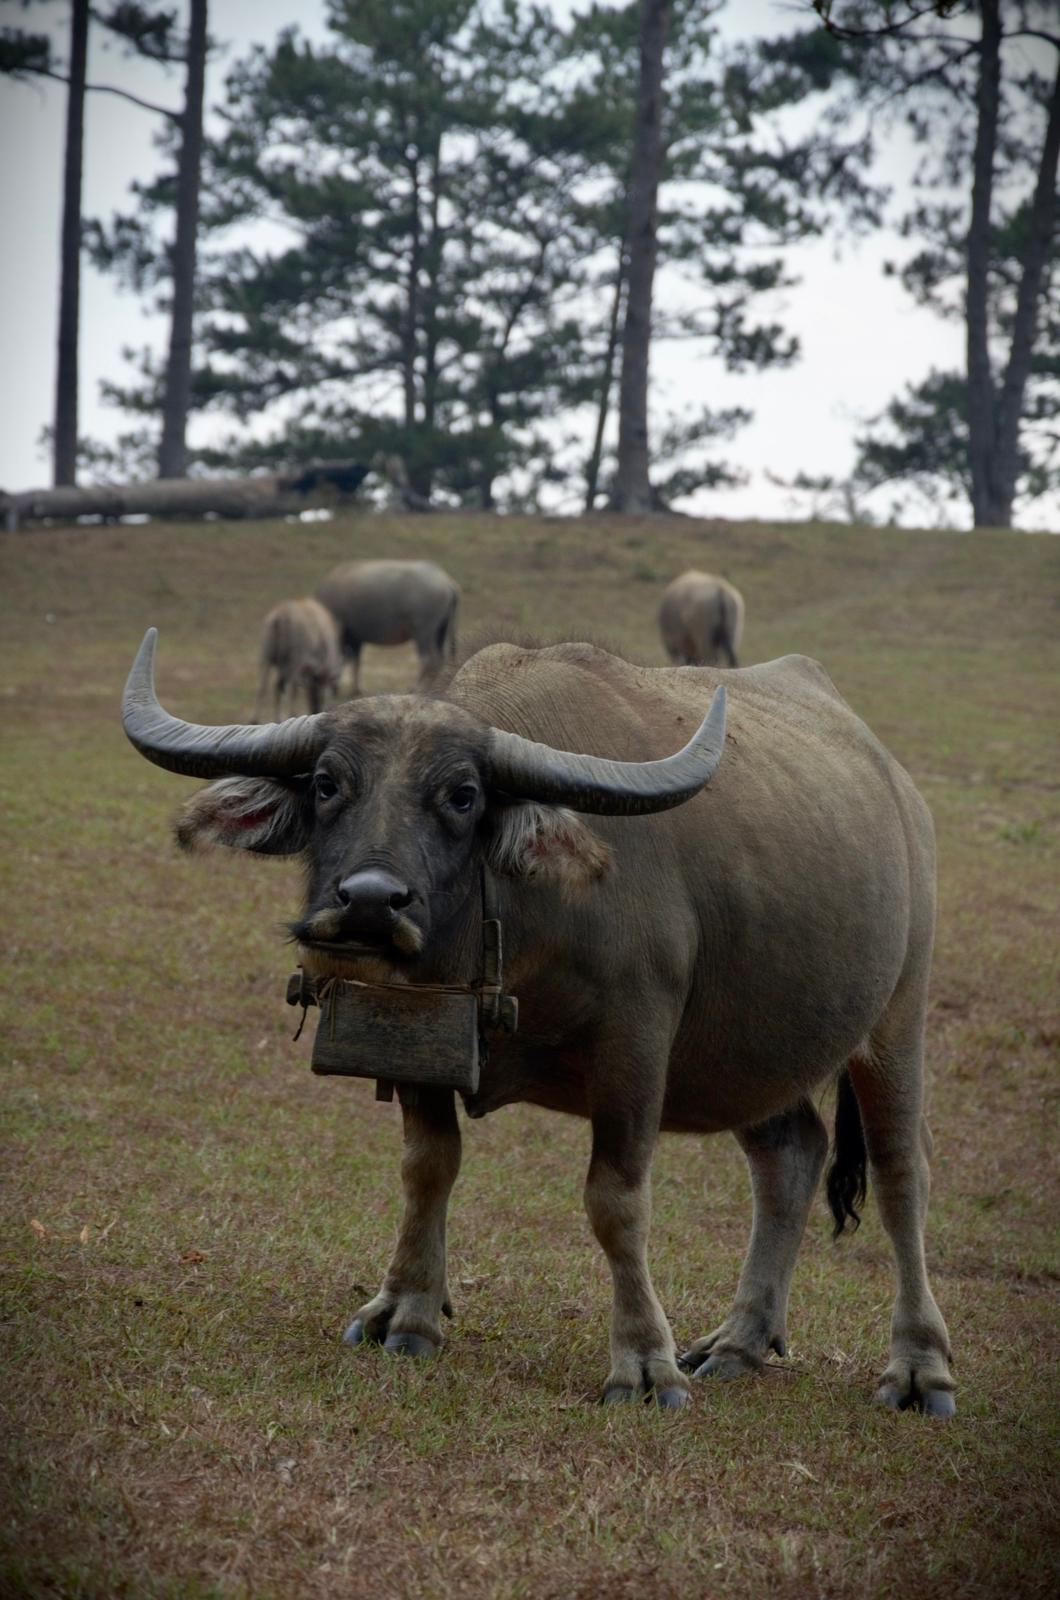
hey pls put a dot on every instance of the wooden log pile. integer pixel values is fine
(270, 494)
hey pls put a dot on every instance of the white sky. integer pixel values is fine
(862, 338)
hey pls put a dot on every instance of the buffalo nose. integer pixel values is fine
(372, 892)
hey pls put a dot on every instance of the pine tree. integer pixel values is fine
(64, 442)
(25, 55)
(176, 400)
(979, 87)
(734, 193)
(414, 308)
(632, 490)
(446, 187)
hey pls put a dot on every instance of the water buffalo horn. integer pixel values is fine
(275, 750)
(610, 788)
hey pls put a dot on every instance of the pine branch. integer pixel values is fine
(1034, 33)
(890, 30)
(175, 117)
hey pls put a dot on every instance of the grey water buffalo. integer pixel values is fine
(299, 650)
(701, 621)
(727, 935)
(391, 602)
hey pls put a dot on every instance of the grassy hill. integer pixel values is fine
(189, 1217)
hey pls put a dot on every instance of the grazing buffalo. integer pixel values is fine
(390, 602)
(299, 650)
(725, 938)
(701, 620)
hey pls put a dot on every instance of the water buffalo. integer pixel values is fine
(701, 620)
(707, 967)
(390, 602)
(299, 650)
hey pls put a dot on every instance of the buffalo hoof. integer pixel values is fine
(737, 1349)
(670, 1399)
(932, 1403)
(938, 1403)
(724, 1367)
(409, 1344)
(355, 1333)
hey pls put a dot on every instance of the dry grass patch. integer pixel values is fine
(189, 1217)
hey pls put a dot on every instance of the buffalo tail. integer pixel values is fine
(447, 632)
(847, 1181)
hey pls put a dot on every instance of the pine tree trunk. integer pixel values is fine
(412, 302)
(1005, 466)
(592, 471)
(982, 404)
(423, 476)
(172, 453)
(632, 485)
(64, 443)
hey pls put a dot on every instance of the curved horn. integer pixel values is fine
(610, 788)
(274, 751)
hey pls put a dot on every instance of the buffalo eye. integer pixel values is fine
(325, 786)
(463, 798)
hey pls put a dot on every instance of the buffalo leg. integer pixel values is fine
(618, 1202)
(263, 689)
(430, 662)
(406, 1313)
(785, 1156)
(889, 1084)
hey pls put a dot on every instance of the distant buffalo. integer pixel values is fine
(391, 602)
(299, 650)
(701, 621)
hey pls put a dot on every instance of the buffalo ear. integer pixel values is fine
(546, 844)
(258, 814)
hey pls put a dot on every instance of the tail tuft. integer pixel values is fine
(847, 1182)
(445, 639)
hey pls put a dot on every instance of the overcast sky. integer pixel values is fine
(862, 338)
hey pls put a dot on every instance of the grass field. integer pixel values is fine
(189, 1217)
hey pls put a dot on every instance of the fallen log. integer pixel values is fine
(272, 494)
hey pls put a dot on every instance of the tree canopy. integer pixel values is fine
(977, 85)
(414, 238)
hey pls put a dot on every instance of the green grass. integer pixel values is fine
(189, 1217)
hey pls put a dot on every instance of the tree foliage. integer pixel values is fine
(977, 85)
(24, 56)
(414, 238)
